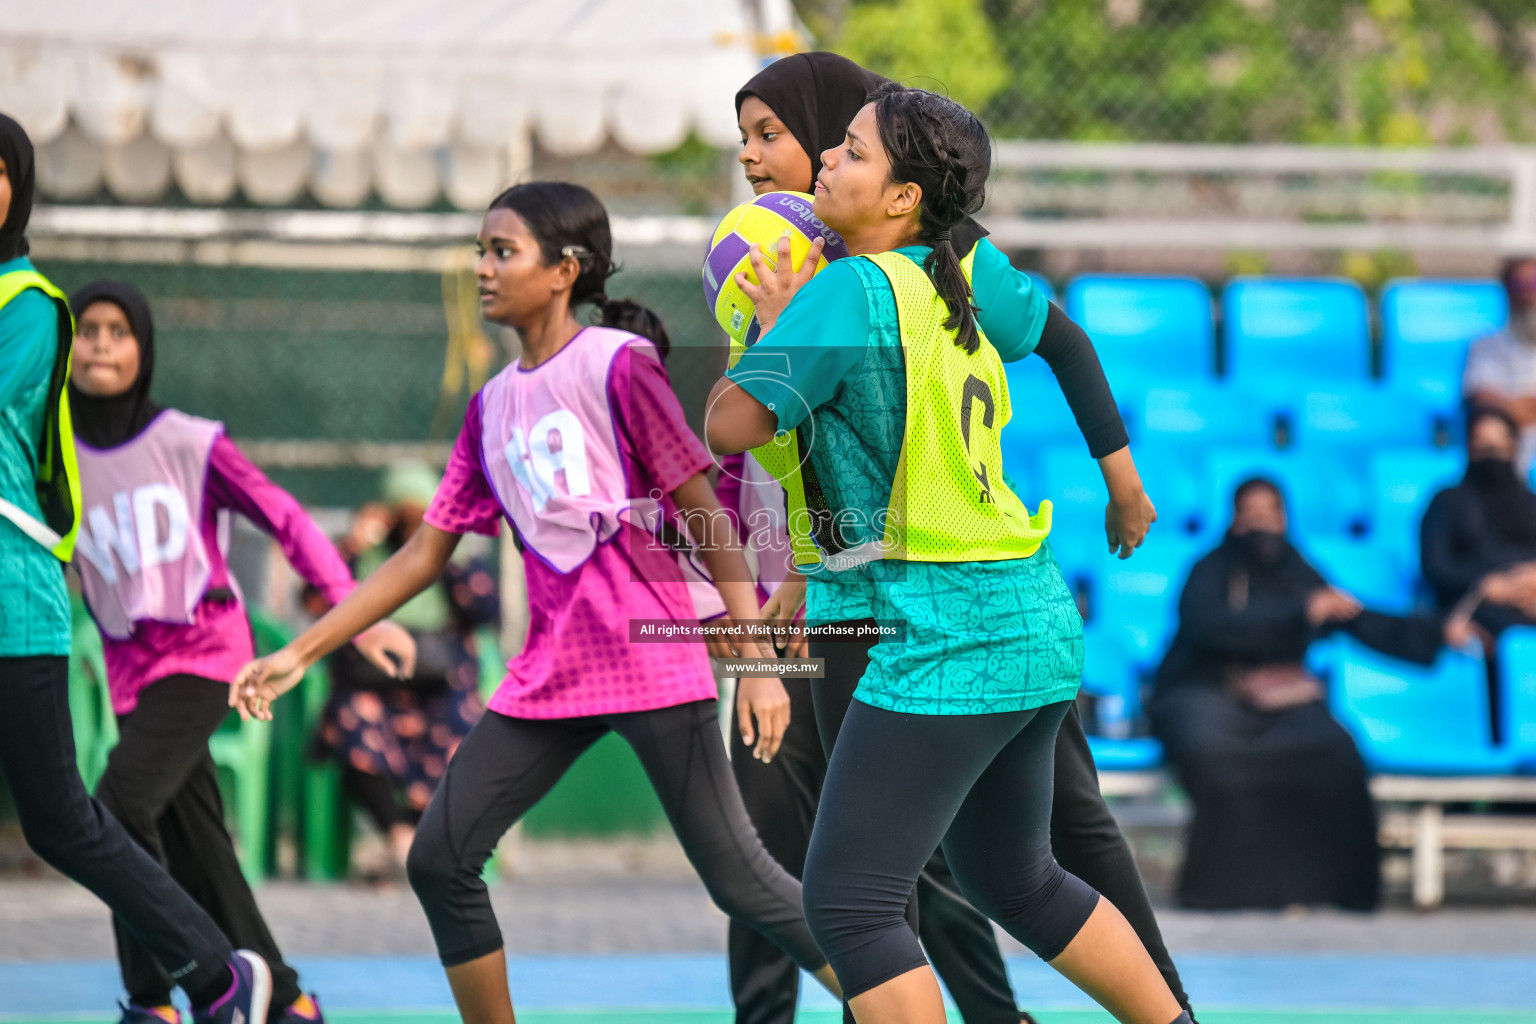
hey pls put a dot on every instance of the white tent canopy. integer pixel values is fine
(408, 98)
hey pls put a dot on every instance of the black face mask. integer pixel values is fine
(1492, 474)
(1262, 548)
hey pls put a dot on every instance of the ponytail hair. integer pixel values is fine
(941, 147)
(569, 221)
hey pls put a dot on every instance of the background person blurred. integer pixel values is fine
(1501, 368)
(394, 738)
(1481, 534)
(1282, 810)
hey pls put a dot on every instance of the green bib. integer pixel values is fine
(58, 477)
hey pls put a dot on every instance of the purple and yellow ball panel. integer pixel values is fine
(761, 221)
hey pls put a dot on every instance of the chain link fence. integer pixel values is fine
(326, 375)
(1355, 72)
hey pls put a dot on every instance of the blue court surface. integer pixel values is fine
(691, 989)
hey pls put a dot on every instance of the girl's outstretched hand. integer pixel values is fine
(389, 647)
(1127, 521)
(763, 698)
(264, 680)
(779, 285)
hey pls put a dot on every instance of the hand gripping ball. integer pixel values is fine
(764, 221)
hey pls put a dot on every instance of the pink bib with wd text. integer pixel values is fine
(142, 555)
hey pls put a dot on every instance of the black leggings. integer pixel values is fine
(898, 785)
(1085, 839)
(781, 796)
(506, 765)
(161, 784)
(80, 838)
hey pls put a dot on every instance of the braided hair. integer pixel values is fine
(568, 220)
(941, 147)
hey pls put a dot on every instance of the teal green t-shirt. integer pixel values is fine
(34, 605)
(981, 636)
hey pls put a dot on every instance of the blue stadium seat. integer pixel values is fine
(1112, 677)
(1289, 335)
(1517, 683)
(1075, 485)
(1137, 598)
(1425, 329)
(1040, 414)
(1138, 754)
(1203, 413)
(1146, 328)
(1375, 573)
(1402, 483)
(1323, 496)
(1072, 481)
(1174, 474)
(1417, 721)
(1364, 416)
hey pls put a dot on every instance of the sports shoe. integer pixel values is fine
(248, 996)
(133, 1013)
(305, 1010)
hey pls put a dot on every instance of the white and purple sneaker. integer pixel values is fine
(248, 996)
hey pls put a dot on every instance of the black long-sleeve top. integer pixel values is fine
(1236, 614)
(1069, 353)
(1459, 545)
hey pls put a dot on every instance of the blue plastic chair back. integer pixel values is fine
(1138, 598)
(1175, 476)
(1402, 484)
(1412, 720)
(1207, 414)
(1146, 328)
(1517, 681)
(1076, 488)
(1294, 334)
(1041, 415)
(1426, 326)
(1375, 573)
(1366, 416)
(1324, 495)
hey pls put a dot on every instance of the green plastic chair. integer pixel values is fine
(327, 819)
(243, 752)
(306, 796)
(90, 707)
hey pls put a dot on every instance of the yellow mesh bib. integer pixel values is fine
(58, 477)
(949, 501)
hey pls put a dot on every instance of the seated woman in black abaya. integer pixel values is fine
(1282, 810)
(1478, 540)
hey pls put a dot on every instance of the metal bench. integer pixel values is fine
(1415, 820)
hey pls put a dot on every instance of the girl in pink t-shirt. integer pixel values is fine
(582, 447)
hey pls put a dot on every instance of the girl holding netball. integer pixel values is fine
(951, 735)
(157, 488)
(583, 448)
(788, 114)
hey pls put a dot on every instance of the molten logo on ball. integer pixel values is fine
(763, 221)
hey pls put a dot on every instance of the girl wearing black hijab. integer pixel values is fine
(157, 487)
(38, 511)
(789, 113)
